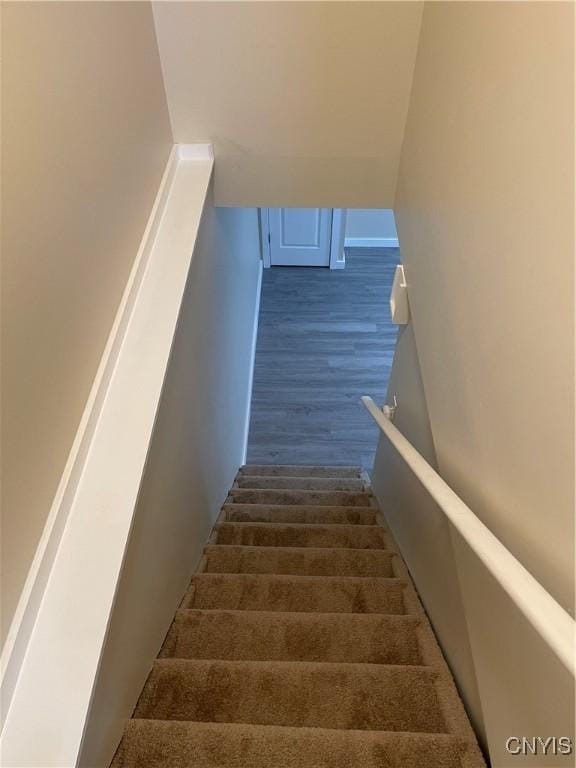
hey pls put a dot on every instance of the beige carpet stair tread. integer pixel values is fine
(279, 513)
(350, 484)
(303, 694)
(303, 561)
(323, 498)
(326, 594)
(176, 744)
(303, 535)
(300, 643)
(321, 637)
(295, 470)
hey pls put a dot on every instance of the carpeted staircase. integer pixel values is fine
(301, 643)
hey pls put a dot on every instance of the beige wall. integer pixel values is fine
(485, 214)
(419, 525)
(85, 139)
(509, 680)
(196, 449)
(305, 102)
(484, 209)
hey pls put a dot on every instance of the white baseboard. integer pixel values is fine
(337, 255)
(76, 568)
(371, 242)
(252, 360)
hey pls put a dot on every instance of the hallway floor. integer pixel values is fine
(324, 339)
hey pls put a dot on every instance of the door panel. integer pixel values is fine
(300, 237)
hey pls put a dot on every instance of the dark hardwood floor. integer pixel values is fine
(324, 339)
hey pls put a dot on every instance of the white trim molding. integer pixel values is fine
(252, 361)
(264, 216)
(371, 242)
(337, 228)
(337, 255)
(47, 671)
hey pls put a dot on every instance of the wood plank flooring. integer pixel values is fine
(324, 339)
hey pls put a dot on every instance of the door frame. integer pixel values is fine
(337, 230)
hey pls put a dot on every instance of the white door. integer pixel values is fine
(300, 237)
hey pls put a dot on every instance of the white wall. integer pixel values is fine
(305, 103)
(197, 447)
(371, 227)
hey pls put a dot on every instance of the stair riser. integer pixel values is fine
(262, 513)
(242, 635)
(264, 470)
(255, 535)
(323, 498)
(351, 485)
(299, 594)
(170, 744)
(299, 561)
(302, 695)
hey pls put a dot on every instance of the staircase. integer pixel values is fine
(301, 643)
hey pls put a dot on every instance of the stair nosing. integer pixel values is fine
(256, 505)
(300, 477)
(313, 526)
(299, 490)
(412, 619)
(353, 467)
(287, 576)
(302, 490)
(429, 670)
(256, 548)
(302, 466)
(448, 735)
(358, 482)
(292, 575)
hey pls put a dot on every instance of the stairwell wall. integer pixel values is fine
(304, 102)
(485, 212)
(197, 447)
(420, 527)
(85, 140)
(485, 215)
